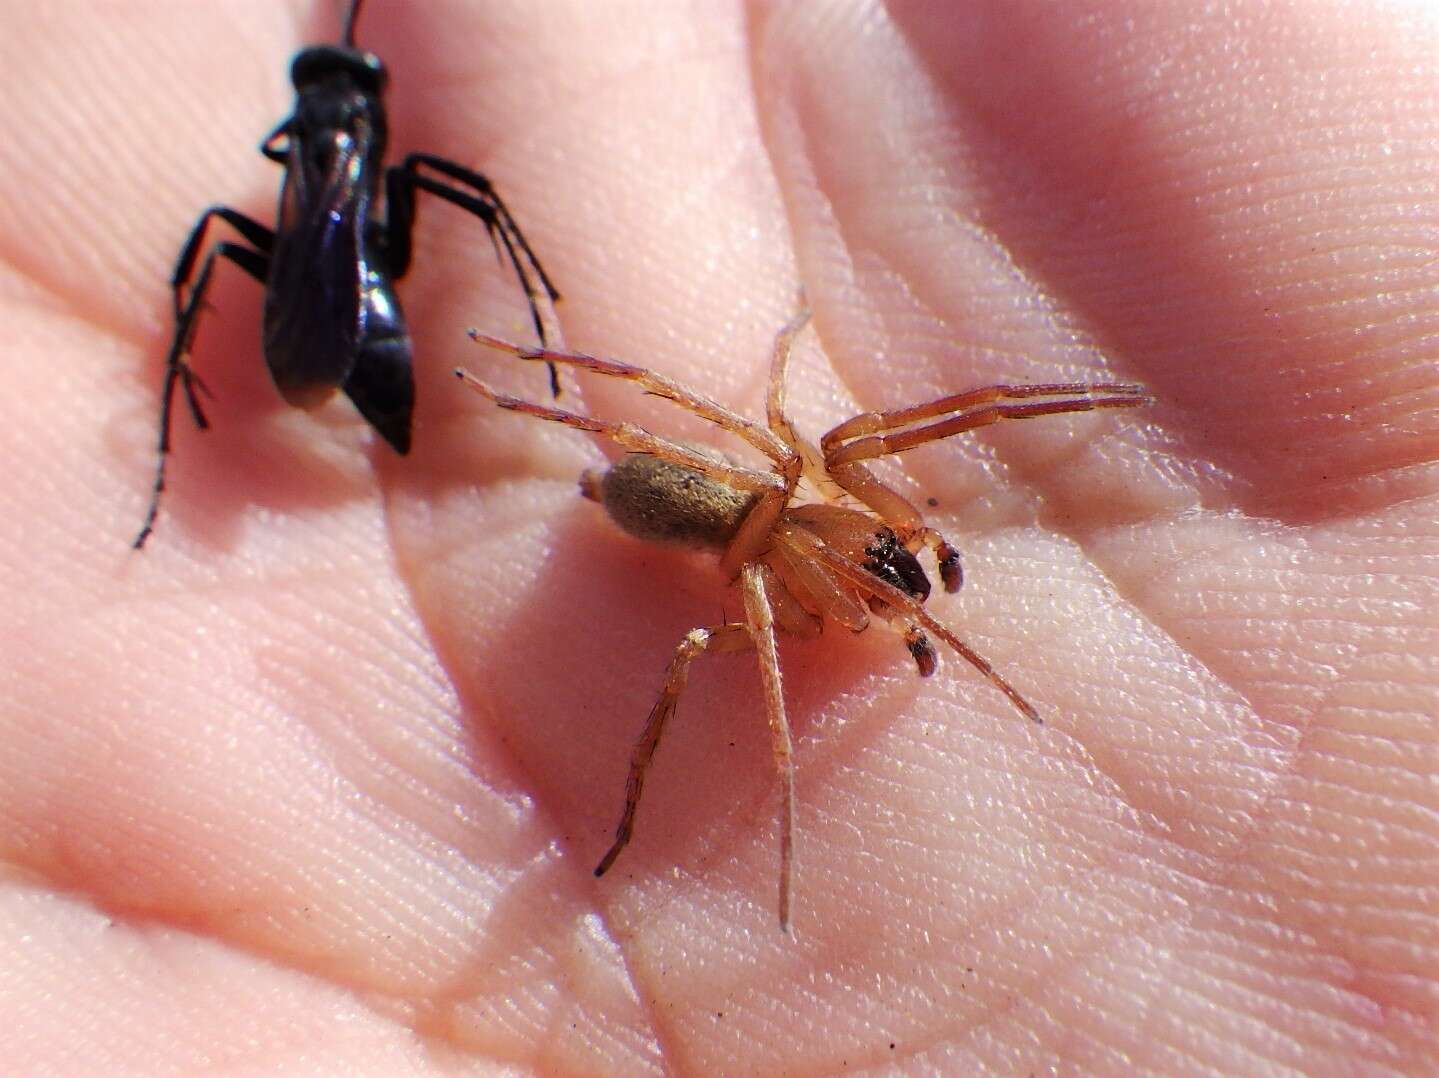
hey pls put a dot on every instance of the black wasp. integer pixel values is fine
(329, 267)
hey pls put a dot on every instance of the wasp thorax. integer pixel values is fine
(660, 500)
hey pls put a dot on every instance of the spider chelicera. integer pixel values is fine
(842, 559)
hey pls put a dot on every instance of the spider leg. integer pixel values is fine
(801, 458)
(801, 573)
(729, 637)
(657, 385)
(779, 422)
(862, 437)
(775, 487)
(759, 622)
(635, 439)
(891, 596)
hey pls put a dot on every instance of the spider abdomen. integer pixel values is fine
(659, 500)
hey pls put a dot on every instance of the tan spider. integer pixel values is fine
(797, 565)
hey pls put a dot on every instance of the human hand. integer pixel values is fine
(320, 776)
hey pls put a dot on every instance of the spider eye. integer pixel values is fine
(887, 559)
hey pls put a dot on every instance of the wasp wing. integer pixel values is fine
(314, 300)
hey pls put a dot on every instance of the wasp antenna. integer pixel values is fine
(350, 20)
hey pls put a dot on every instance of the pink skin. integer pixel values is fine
(319, 778)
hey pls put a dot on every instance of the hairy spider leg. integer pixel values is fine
(891, 596)
(727, 637)
(758, 632)
(775, 396)
(754, 577)
(759, 623)
(656, 385)
(753, 534)
(862, 437)
(631, 437)
(856, 480)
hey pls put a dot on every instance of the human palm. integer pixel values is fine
(320, 776)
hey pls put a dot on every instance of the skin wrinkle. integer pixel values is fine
(77, 305)
(1195, 909)
(367, 993)
(1075, 298)
(669, 1040)
(522, 778)
(138, 921)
